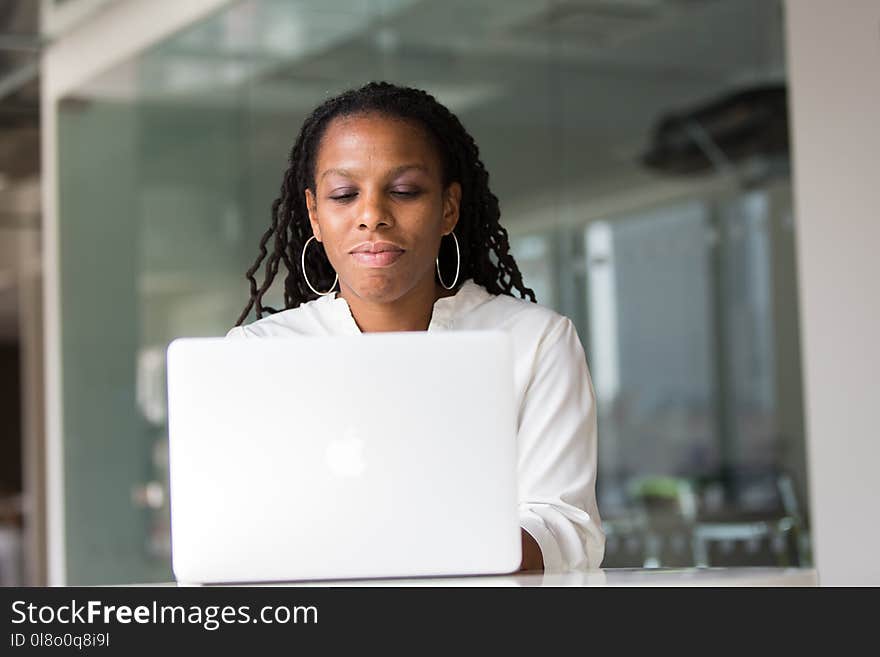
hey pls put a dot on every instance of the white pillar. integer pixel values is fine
(834, 82)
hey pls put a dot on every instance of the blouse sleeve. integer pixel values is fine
(557, 450)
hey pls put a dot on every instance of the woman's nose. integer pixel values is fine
(374, 213)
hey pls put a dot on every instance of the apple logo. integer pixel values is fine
(345, 456)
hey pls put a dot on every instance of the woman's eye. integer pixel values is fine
(344, 196)
(405, 193)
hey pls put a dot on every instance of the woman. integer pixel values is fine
(385, 222)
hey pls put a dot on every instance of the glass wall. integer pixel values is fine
(681, 283)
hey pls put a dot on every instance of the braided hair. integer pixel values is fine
(483, 242)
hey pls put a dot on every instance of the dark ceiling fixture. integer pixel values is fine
(744, 127)
(20, 47)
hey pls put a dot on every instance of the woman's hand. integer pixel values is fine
(532, 559)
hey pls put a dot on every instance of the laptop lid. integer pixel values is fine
(380, 455)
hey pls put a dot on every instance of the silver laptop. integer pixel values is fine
(380, 455)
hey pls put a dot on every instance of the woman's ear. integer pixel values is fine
(312, 208)
(451, 205)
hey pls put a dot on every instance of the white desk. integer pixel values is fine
(606, 577)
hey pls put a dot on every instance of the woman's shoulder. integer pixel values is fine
(540, 334)
(310, 318)
(509, 312)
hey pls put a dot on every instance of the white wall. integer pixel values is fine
(834, 77)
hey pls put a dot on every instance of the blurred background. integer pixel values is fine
(640, 150)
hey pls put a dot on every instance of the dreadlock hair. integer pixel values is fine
(483, 242)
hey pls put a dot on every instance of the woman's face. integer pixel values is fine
(379, 205)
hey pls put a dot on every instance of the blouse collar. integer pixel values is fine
(446, 309)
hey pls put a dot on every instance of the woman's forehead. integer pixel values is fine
(375, 140)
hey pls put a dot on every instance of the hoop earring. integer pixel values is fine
(457, 265)
(306, 276)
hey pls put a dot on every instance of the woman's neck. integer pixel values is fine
(411, 312)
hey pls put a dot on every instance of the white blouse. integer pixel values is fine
(557, 409)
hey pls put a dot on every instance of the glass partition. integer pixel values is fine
(681, 284)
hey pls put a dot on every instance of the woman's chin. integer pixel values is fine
(379, 288)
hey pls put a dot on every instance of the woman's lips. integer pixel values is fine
(378, 259)
(376, 254)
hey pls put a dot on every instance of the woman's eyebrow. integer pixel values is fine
(396, 171)
(342, 172)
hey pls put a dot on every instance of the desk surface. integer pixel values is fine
(604, 577)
